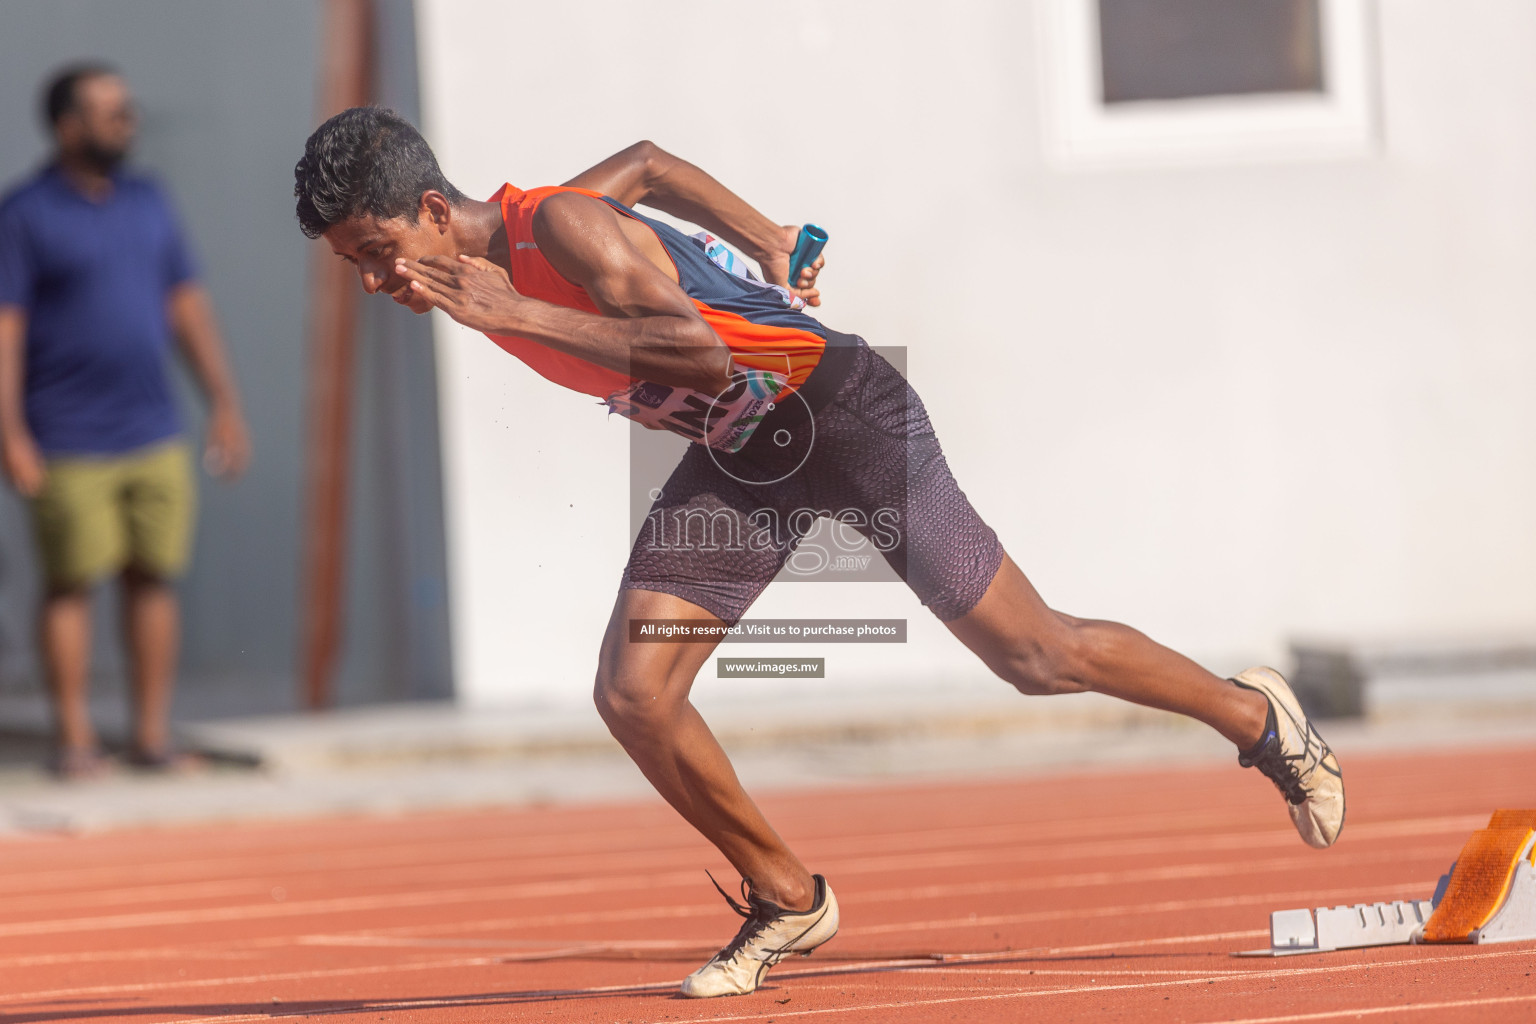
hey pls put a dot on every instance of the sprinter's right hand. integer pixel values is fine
(776, 268)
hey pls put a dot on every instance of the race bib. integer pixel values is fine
(724, 422)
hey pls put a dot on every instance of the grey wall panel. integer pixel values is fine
(227, 94)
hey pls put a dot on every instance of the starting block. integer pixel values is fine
(1489, 895)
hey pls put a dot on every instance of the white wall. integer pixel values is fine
(1224, 404)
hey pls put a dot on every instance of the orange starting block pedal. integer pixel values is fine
(1489, 895)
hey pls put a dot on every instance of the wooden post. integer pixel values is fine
(346, 77)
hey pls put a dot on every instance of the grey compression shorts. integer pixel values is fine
(724, 525)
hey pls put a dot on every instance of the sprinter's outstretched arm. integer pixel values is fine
(647, 174)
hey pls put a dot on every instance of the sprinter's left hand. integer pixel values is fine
(474, 291)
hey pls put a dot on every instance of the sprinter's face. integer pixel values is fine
(373, 244)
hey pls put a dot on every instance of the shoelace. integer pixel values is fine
(1282, 769)
(757, 915)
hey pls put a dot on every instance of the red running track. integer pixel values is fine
(1096, 897)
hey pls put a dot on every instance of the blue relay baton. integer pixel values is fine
(807, 247)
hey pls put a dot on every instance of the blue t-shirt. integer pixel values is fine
(93, 278)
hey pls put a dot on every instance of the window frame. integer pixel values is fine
(1081, 131)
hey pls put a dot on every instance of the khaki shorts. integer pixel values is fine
(99, 515)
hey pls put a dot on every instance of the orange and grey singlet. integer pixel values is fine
(851, 442)
(774, 348)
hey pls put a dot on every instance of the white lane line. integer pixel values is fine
(343, 905)
(967, 958)
(1148, 973)
(1240, 867)
(1098, 947)
(1025, 840)
(510, 851)
(539, 921)
(575, 949)
(54, 902)
(1096, 989)
(23, 998)
(322, 855)
(589, 885)
(1432, 954)
(1318, 896)
(572, 994)
(504, 867)
(962, 964)
(498, 873)
(978, 963)
(1372, 1011)
(1351, 894)
(387, 869)
(1085, 973)
(1211, 869)
(431, 1004)
(504, 842)
(110, 956)
(524, 948)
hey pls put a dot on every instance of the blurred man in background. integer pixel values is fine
(95, 282)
